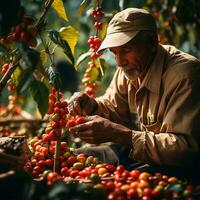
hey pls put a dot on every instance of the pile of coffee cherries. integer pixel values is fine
(116, 182)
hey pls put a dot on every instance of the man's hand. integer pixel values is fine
(99, 130)
(82, 104)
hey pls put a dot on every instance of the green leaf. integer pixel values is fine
(58, 6)
(54, 78)
(82, 57)
(82, 7)
(94, 73)
(43, 56)
(14, 52)
(56, 38)
(16, 75)
(102, 65)
(40, 94)
(30, 57)
(22, 79)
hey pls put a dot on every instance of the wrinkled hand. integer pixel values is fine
(81, 104)
(99, 130)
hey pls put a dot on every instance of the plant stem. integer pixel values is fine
(56, 165)
(9, 72)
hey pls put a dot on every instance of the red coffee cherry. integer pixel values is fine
(70, 123)
(80, 120)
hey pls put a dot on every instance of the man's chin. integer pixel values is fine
(131, 76)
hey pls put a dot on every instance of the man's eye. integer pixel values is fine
(126, 50)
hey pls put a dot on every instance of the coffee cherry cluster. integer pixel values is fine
(43, 156)
(13, 108)
(71, 165)
(57, 111)
(94, 43)
(97, 13)
(10, 84)
(5, 68)
(91, 75)
(90, 78)
(25, 31)
(50, 150)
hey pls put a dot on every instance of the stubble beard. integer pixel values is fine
(132, 74)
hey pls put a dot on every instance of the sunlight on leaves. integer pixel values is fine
(104, 30)
(82, 7)
(58, 6)
(70, 35)
(43, 57)
(82, 57)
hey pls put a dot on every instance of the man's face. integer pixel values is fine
(132, 58)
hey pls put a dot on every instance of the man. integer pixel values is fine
(157, 83)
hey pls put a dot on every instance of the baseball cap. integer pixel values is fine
(125, 25)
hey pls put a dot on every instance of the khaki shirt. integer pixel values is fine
(167, 104)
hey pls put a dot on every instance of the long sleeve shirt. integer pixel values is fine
(167, 105)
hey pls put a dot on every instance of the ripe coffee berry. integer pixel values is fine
(70, 123)
(80, 120)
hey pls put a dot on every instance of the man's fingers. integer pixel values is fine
(91, 118)
(77, 103)
(88, 140)
(82, 127)
(74, 108)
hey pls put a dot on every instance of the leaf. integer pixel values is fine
(23, 79)
(43, 56)
(16, 75)
(54, 78)
(82, 57)
(70, 35)
(102, 65)
(122, 4)
(30, 57)
(82, 7)
(56, 38)
(40, 94)
(58, 6)
(94, 73)
(14, 52)
(104, 30)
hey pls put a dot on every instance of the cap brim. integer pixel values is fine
(117, 39)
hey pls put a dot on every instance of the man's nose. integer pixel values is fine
(121, 61)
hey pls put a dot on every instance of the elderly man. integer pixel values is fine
(156, 83)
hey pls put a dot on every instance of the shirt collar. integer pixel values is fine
(152, 80)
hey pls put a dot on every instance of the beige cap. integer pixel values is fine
(125, 25)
